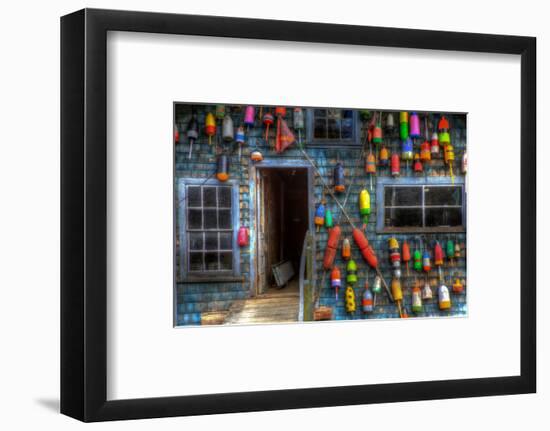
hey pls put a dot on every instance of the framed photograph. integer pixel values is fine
(262, 215)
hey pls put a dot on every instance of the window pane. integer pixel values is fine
(194, 196)
(403, 217)
(226, 238)
(320, 113)
(333, 129)
(347, 128)
(347, 113)
(224, 197)
(195, 241)
(211, 261)
(334, 113)
(211, 241)
(195, 262)
(225, 219)
(226, 261)
(403, 196)
(443, 195)
(443, 217)
(210, 219)
(194, 219)
(320, 129)
(209, 196)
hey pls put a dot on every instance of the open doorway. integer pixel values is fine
(283, 220)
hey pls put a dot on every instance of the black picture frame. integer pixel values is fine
(84, 214)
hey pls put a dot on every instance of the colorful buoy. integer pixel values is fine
(351, 269)
(350, 300)
(249, 116)
(210, 126)
(222, 168)
(328, 219)
(414, 125)
(346, 249)
(192, 132)
(227, 129)
(339, 184)
(416, 300)
(364, 205)
(395, 165)
(444, 297)
(407, 149)
(368, 302)
(243, 237)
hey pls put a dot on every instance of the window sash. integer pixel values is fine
(225, 254)
(422, 206)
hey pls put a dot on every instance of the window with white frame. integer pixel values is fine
(207, 228)
(421, 208)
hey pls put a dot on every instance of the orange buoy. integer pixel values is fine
(346, 249)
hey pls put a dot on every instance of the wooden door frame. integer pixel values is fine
(268, 163)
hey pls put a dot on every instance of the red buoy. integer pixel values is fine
(332, 246)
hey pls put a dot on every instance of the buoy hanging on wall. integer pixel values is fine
(403, 125)
(256, 156)
(268, 121)
(395, 165)
(425, 153)
(249, 116)
(434, 144)
(243, 237)
(350, 300)
(332, 246)
(427, 291)
(339, 184)
(416, 300)
(222, 168)
(299, 123)
(335, 281)
(390, 122)
(351, 269)
(377, 285)
(192, 132)
(320, 215)
(210, 126)
(346, 249)
(417, 166)
(414, 125)
(364, 205)
(368, 303)
(383, 158)
(406, 255)
(417, 259)
(240, 139)
(328, 219)
(407, 149)
(444, 297)
(457, 286)
(227, 129)
(220, 112)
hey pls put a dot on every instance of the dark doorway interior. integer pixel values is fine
(286, 218)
